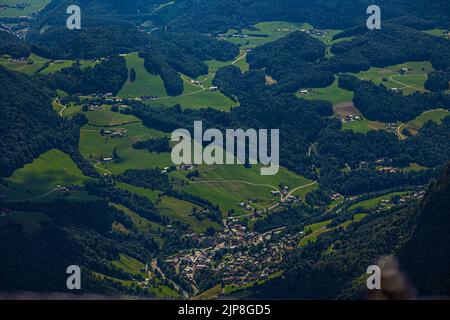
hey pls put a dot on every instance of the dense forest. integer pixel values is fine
(105, 77)
(28, 123)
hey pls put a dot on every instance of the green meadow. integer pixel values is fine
(390, 77)
(433, 115)
(363, 125)
(333, 93)
(28, 66)
(145, 84)
(180, 210)
(94, 146)
(316, 229)
(193, 96)
(35, 5)
(375, 202)
(267, 32)
(36, 180)
(229, 185)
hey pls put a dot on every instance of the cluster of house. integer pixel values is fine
(386, 204)
(146, 98)
(234, 35)
(303, 92)
(392, 126)
(335, 196)
(388, 170)
(196, 82)
(240, 256)
(446, 35)
(115, 133)
(351, 118)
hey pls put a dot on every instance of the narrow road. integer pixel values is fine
(399, 132)
(104, 170)
(201, 85)
(176, 286)
(405, 85)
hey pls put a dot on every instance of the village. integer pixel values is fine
(238, 255)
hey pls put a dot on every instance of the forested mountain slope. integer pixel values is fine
(28, 123)
(331, 268)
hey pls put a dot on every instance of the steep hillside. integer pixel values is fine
(335, 265)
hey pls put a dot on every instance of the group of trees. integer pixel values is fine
(146, 178)
(158, 145)
(438, 81)
(376, 102)
(215, 15)
(105, 77)
(293, 62)
(13, 46)
(73, 233)
(28, 124)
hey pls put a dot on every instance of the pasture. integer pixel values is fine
(229, 185)
(435, 116)
(180, 210)
(35, 5)
(265, 32)
(93, 146)
(390, 77)
(333, 93)
(40, 179)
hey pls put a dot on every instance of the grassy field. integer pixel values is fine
(375, 202)
(28, 66)
(273, 30)
(108, 118)
(363, 125)
(333, 93)
(145, 84)
(436, 32)
(194, 96)
(142, 224)
(414, 167)
(408, 83)
(129, 265)
(94, 146)
(433, 115)
(316, 229)
(239, 62)
(57, 66)
(44, 174)
(180, 210)
(229, 185)
(35, 5)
